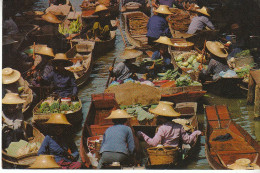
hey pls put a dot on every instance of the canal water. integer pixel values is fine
(241, 113)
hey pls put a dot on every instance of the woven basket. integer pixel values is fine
(163, 155)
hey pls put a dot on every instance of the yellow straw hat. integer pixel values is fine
(243, 163)
(101, 7)
(57, 118)
(163, 9)
(165, 108)
(164, 40)
(62, 58)
(44, 162)
(12, 98)
(217, 49)
(119, 114)
(203, 10)
(130, 54)
(45, 51)
(10, 75)
(49, 17)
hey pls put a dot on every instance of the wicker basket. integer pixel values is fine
(163, 155)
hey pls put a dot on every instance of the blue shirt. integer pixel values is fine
(118, 138)
(64, 84)
(158, 26)
(50, 146)
(198, 23)
(166, 57)
(167, 2)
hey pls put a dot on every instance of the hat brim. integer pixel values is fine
(15, 78)
(109, 117)
(135, 55)
(202, 12)
(163, 12)
(155, 111)
(97, 12)
(218, 54)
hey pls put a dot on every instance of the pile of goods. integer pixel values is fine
(185, 80)
(243, 72)
(138, 25)
(22, 147)
(244, 53)
(78, 66)
(170, 75)
(57, 106)
(74, 27)
(190, 60)
(179, 20)
(139, 112)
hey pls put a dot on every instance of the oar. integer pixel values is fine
(108, 80)
(33, 50)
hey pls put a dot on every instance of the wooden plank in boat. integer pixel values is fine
(223, 112)
(211, 113)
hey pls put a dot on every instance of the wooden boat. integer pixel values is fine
(33, 135)
(132, 6)
(27, 95)
(85, 49)
(136, 29)
(221, 154)
(95, 124)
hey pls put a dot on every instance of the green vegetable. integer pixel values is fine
(64, 107)
(76, 106)
(179, 58)
(191, 58)
(183, 80)
(196, 83)
(185, 64)
(170, 74)
(73, 28)
(54, 108)
(243, 53)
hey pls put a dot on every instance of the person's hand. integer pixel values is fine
(152, 67)
(111, 69)
(139, 134)
(197, 132)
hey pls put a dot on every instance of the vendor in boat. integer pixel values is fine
(118, 141)
(169, 133)
(12, 119)
(126, 69)
(58, 143)
(157, 25)
(157, 3)
(200, 21)
(63, 80)
(217, 63)
(10, 79)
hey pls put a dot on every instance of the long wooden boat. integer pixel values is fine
(27, 95)
(136, 29)
(82, 52)
(23, 161)
(130, 7)
(95, 124)
(222, 154)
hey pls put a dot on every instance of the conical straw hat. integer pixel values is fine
(44, 162)
(62, 58)
(163, 9)
(45, 51)
(203, 10)
(10, 75)
(240, 164)
(101, 7)
(130, 54)
(12, 98)
(217, 49)
(164, 40)
(243, 162)
(119, 114)
(57, 118)
(165, 108)
(49, 17)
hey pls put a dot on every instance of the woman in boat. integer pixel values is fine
(217, 63)
(10, 79)
(58, 143)
(157, 25)
(126, 69)
(157, 3)
(201, 21)
(169, 133)
(12, 119)
(118, 141)
(63, 80)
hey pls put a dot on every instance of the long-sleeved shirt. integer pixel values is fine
(166, 2)
(198, 23)
(50, 146)
(118, 138)
(158, 26)
(64, 84)
(170, 134)
(123, 71)
(215, 67)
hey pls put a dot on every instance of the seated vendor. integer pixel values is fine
(217, 63)
(58, 143)
(169, 133)
(63, 80)
(157, 3)
(126, 69)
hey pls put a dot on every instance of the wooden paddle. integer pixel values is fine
(108, 80)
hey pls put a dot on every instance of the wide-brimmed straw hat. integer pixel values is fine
(217, 49)
(203, 10)
(165, 108)
(242, 164)
(45, 51)
(44, 162)
(100, 7)
(163, 9)
(58, 119)
(12, 98)
(10, 75)
(130, 54)
(49, 17)
(119, 114)
(164, 40)
(61, 58)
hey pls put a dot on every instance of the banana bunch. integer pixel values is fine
(201, 58)
(74, 27)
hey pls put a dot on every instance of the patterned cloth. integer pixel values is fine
(124, 71)
(198, 23)
(158, 26)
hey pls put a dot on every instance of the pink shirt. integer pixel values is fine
(169, 134)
